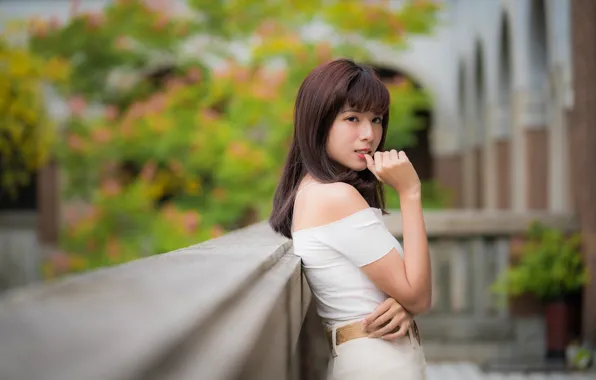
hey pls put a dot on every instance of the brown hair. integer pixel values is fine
(324, 92)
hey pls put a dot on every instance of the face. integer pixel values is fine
(351, 135)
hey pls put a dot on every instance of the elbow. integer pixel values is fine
(421, 305)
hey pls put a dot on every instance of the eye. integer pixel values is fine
(377, 120)
(352, 119)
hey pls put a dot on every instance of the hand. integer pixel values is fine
(386, 318)
(396, 170)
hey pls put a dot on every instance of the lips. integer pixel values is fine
(363, 151)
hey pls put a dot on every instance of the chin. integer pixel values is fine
(357, 167)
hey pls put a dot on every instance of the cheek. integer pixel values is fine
(378, 136)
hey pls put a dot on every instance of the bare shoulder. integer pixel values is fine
(326, 203)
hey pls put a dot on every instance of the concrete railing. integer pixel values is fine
(236, 307)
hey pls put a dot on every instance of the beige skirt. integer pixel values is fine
(378, 359)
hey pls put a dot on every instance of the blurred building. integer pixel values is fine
(504, 132)
(511, 126)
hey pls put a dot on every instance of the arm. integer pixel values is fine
(408, 280)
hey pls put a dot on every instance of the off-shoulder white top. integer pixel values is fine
(332, 255)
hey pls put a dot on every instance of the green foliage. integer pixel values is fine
(193, 134)
(551, 266)
(434, 196)
(26, 132)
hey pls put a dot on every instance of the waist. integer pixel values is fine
(344, 308)
(355, 330)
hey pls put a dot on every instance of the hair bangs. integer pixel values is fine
(367, 93)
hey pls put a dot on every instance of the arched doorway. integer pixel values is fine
(420, 152)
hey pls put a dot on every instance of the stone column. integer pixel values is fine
(582, 117)
(559, 177)
(448, 163)
(518, 154)
(449, 173)
(538, 158)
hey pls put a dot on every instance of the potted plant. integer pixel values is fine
(551, 268)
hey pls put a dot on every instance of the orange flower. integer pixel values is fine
(77, 105)
(221, 72)
(262, 92)
(123, 43)
(126, 128)
(156, 103)
(323, 52)
(398, 81)
(113, 248)
(54, 23)
(169, 212)
(111, 112)
(267, 28)
(216, 231)
(148, 171)
(101, 135)
(60, 261)
(193, 74)
(137, 110)
(237, 149)
(241, 74)
(71, 216)
(396, 25)
(174, 84)
(157, 5)
(95, 20)
(191, 221)
(38, 27)
(111, 187)
(209, 114)
(176, 167)
(276, 78)
(76, 143)
(161, 21)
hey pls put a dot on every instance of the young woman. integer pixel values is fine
(330, 201)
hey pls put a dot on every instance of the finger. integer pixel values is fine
(386, 157)
(404, 326)
(383, 319)
(370, 164)
(378, 161)
(380, 310)
(388, 328)
(402, 155)
(396, 335)
(394, 155)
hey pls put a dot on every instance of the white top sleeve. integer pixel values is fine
(362, 237)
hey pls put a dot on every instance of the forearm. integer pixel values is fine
(416, 255)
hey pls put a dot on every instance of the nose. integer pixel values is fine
(366, 131)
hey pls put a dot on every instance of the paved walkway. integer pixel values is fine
(468, 371)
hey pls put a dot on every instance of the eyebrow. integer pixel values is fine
(352, 110)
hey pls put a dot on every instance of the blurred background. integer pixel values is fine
(132, 128)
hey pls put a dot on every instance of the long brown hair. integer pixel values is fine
(323, 93)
